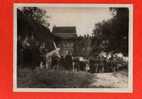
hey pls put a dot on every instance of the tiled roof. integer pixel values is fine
(64, 31)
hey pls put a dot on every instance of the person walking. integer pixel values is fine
(69, 62)
(62, 63)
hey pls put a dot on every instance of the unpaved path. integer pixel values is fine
(110, 80)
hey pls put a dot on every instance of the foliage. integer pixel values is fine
(34, 13)
(82, 46)
(112, 35)
(31, 34)
(30, 21)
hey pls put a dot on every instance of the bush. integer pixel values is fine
(44, 78)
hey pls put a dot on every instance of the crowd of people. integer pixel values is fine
(101, 64)
(97, 65)
(32, 55)
(68, 62)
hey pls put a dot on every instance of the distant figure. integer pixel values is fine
(87, 68)
(76, 64)
(43, 58)
(52, 59)
(55, 60)
(69, 61)
(82, 65)
(62, 63)
(27, 57)
(92, 66)
(36, 56)
(101, 65)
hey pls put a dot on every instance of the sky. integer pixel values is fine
(83, 18)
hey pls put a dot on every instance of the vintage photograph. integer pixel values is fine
(73, 46)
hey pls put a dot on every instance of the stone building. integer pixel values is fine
(65, 36)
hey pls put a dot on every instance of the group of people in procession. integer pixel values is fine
(36, 56)
(71, 63)
(101, 64)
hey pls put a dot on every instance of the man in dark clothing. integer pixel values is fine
(68, 62)
(93, 65)
(62, 62)
(82, 65)
(76, 64)
(54, 63)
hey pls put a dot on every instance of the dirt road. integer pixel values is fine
(110, 80)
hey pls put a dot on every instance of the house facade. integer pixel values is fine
(65, 36)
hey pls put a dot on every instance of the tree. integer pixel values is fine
(31, 34)
(28, 19)
(82, 46)
(35, 14)
(112, 35)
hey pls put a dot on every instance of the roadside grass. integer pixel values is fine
(44, 78)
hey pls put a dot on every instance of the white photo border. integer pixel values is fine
(129, 89)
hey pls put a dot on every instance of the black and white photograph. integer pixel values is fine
(73, 47)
